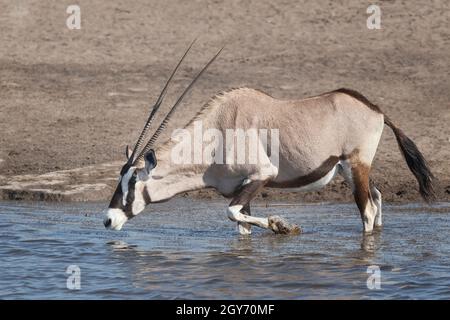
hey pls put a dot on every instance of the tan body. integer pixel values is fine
(311, 130)
(319, 137)
(335, 133)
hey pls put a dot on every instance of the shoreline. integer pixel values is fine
(97, 183)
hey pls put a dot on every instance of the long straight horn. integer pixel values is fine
(166, 120)
(156, 107)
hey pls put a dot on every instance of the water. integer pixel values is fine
(189, 249)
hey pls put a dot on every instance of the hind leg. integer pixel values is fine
(357, 175)
(363, 197)
(376, 196)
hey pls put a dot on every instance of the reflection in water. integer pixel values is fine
(120, 245)
(189, 250)
(245, 245)
(371, 242)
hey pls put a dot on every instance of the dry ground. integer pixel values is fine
(72, 98)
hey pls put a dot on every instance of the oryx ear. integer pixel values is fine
(128, 152)
(150, 160)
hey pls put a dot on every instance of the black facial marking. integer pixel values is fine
(125, 169)
(146, 196)
(116, 201)
(130, 196)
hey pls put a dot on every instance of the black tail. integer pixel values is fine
(416, 162)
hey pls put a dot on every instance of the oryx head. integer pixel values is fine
(132, 194)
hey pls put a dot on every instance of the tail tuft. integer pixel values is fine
(416, 163)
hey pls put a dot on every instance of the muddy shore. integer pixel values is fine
(70, 100)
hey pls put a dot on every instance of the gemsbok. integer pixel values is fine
(319, 137)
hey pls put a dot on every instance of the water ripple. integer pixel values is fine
(188, 249)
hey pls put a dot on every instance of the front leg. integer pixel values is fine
(234, 214)
(242, 201)
(245, 228)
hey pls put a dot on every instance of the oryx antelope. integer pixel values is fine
(334, 133)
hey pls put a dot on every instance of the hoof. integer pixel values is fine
(244, 229)
(281, 226)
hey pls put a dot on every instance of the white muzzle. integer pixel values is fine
(115, 219)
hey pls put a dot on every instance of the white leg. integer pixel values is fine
(234, 214)
(376, 195)
(244, 228)
(369, 216)
(274, 223)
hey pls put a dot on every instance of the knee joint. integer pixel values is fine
(234, 212)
